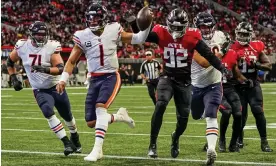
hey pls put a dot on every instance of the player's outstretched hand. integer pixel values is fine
(60, 87)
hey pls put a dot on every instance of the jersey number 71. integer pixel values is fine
(36, 59)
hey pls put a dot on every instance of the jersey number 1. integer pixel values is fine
(101, 55)
(36, 59)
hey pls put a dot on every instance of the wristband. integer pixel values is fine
(64, 77)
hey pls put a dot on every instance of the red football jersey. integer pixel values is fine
(229, 60)
(178, 54)
(248, 55)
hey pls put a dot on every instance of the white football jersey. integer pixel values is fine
(100, 51)
(202, 77)
(31, 56)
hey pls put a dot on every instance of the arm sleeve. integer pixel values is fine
(202, 48)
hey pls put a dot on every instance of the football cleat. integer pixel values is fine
(265, 147)
(205, 147)
(152, 151)
(75, 140)
(211, 157)
(124, 117)
(95, 155)
(222, 146)
(234, 148)
(240, 143)
(174, 146)
(69, 147)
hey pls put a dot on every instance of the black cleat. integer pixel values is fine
(240, 143)
(265, 147)
(152, 151)
(222, 146)
(205, 147)
(69, 147)
(75, 140)
(174, 146)
(234, 148)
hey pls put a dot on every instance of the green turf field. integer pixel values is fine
(27, 139)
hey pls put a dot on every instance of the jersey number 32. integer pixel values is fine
(175, 57)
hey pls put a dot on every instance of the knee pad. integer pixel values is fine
(183, 113)
(257, 109)
(211, 111)
(237, 114)
(47, 110)
(161, 103)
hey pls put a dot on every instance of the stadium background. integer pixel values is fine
(17, 15)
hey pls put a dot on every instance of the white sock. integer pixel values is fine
(101, 126)
(56, 126)
(72, 125)
(212, 132)
(113, 118)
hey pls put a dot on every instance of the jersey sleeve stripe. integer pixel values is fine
(76, 39)
(79, 45)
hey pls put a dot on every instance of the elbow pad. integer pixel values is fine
(60, 68)
(10, 63)
(141, 36)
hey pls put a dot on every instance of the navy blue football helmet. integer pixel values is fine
(205, 22)
(96, 17)
(39, 33)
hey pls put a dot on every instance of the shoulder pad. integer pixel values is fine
(20, 43)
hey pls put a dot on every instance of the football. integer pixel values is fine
(144, 18)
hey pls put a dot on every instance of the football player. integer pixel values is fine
(99, 43)
(251, 59)
(206, 81)
(178, 43)
(43, 64)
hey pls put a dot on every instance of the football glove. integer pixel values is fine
(17, 85)
(41, 69)
(248, 83)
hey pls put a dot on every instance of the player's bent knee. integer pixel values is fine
(211, 111)
(257, 109)
(47, 110)
(91, 124)
(161, 103)
(237, 114)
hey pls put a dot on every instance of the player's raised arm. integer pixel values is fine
(144, 20)
(11, 69)
(73, 58)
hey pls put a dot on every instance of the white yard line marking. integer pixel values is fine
(129, 134)
(141, 158)
(248, 126)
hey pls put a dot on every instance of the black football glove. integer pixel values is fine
(226, 45)
(227, 73)
(17, 85)
(41, 69)
(248, 83)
